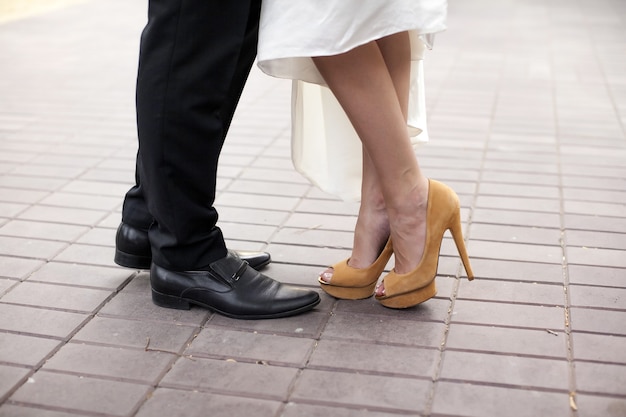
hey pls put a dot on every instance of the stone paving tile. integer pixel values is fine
(598, 378)
(307, 255)
(468, 400)
(253, 201)
(97, 188)
(31, 183)
(272, 175)
(231, 377)
(491, 339)
(517, 271)
(139, 283)
(514, 371)
(401, 394)
(449, 263)
(336, 355)
(98, 236)
(599, 257)
(256, 216)
(521, 167)
(519, 177)
(73, 392)
(41, 230)
(515, 251)
(533, 191)
(596, 275)
(71, 200)
(133, 365)
(305, 325)
(56, 296)
(251, 347)
(18, 349)
(53, 171)
(11, 209)
(111, 220)
(9, 410)
(327, 207)
(512, 292)
(18, 268)
(589, 406)
(535, 235)
(593, 208)
(598, 321)
(293, 409)
(87, 254)
(5, 284)
(139, 306)
(30, 248)
(108, 175)
(366, 328)
(259, 233)
(592, 185)
(320, 238)
(12, 377)
(268, 188)
(321, 222)
(594, 222)
(176, 403)
(63, 160)
(597, 194)
(603, 297)
(448, 251)
(81, 275)
(599, 348)
(516, 218)
(39, 321)
(501, 314)
(74, 216)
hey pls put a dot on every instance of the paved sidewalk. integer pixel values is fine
(527, 108)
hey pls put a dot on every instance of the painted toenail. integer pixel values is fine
(326, 276)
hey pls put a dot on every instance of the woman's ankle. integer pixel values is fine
(370, 236)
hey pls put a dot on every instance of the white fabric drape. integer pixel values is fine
(325, 147)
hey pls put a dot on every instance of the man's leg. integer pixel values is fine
(132, 246)
(194, 59)
(189, 63)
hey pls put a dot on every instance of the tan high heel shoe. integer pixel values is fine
(443, 213)
(353, 283)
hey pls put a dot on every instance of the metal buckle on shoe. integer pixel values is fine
(240, 271)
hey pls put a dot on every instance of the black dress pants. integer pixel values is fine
(195, 57)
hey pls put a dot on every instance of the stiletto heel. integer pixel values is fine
(457, 234)
(353, 283)
(442, 213)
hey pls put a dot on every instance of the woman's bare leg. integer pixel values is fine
(396, 52)
(362, 81)
(372, 228)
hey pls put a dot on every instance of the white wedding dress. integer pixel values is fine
(325, 147)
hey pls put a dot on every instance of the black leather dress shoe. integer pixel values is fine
(132, 250)
(230, 287)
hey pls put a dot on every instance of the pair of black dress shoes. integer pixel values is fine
(232, 286)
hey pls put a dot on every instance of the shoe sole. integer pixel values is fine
(178, 303)
(128, 260)
(410, 299)
(348, 293)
